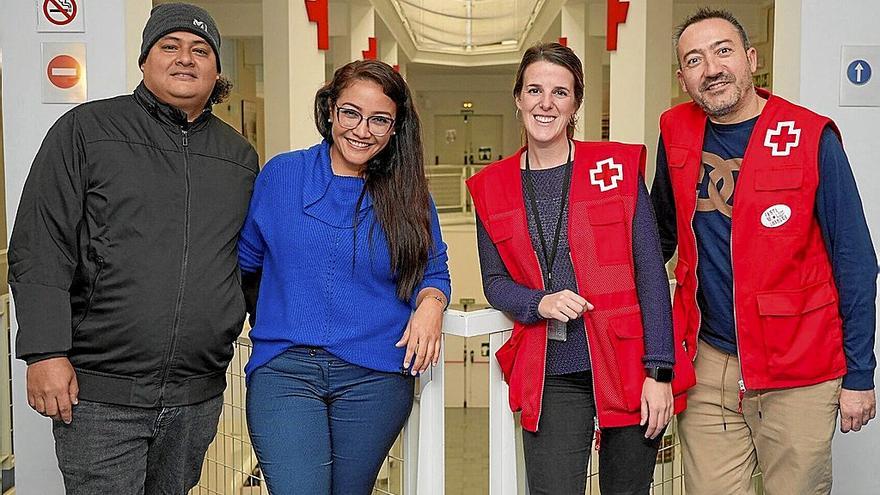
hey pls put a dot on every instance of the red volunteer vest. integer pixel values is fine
(785, 302)
(602, 204)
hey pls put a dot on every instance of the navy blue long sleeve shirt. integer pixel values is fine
(841, 220)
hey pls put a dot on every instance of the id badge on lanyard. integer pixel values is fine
(556, 330)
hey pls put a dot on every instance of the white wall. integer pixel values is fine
(443, 95)
(826, 27)
(25, 122)
(234, 19)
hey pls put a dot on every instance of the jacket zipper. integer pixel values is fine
(100, 261)
(177, 308)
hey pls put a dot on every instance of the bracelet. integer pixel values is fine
(438, 298)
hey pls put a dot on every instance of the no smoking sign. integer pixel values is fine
(60, 15)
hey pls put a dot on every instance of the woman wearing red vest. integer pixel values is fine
(569, 248)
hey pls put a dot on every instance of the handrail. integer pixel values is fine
(428, 417)
(475, 323)
(423, 435)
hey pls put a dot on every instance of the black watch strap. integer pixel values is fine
(660, 374)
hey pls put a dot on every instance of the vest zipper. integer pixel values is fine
(696, 278)
(596, 427)
(177, 308)
(544, 358)
(742, 382)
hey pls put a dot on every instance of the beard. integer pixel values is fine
(719, 106)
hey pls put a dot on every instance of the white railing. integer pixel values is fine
(230, 462)
(502, 439)
(446, 183)
(428, 415)
(416, 465)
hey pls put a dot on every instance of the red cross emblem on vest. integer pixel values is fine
(782, 139)
(607, 174)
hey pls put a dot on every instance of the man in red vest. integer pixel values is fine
(776, 272)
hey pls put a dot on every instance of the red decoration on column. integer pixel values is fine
(319, 12)
(617, 11)
(396, 68)
(563, 41)
(370, 54)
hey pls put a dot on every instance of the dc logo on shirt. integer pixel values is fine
(782, 139)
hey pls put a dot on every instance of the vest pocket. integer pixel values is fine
(629, 348)
(503, 225)
(506, 354)
(779, 179)
(796, 324)
(683, 306)
(677, 156)
(609, 233)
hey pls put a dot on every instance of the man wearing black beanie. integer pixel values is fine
(123, 266)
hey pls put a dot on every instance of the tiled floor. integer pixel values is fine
(467, 451)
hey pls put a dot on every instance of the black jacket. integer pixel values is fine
(123, 256)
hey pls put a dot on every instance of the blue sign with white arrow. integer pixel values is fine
(858, 72)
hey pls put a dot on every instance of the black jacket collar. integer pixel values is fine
(166, 113)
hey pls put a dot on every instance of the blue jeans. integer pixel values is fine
(134, 451)
(321, 425)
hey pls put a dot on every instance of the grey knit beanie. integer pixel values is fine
(171, 17)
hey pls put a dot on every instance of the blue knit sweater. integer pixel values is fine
(315, 289)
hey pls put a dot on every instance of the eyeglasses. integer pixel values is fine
(349, 118)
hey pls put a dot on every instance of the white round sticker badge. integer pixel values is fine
(775, 216)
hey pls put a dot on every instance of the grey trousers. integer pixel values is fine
(134, 451)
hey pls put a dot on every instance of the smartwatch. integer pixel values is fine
(660, 374)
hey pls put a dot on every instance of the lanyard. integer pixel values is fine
(549, 256)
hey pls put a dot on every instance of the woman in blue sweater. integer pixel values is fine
(344, 242)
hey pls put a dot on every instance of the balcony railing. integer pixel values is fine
(446, 183)
(231, 466)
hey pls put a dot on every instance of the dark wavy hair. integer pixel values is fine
(221, 91)
(394, 178)
(559, 55)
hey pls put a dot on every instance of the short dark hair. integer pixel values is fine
(559, 55)
(706, 13)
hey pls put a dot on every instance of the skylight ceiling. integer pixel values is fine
(468, 26)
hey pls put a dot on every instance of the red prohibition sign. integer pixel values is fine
(67, 15)
(63, 71)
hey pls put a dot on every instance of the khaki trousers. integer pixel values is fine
(784, 433)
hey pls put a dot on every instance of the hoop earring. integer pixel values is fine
(516, 114)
